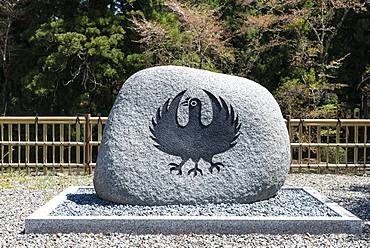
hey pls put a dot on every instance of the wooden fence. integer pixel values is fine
(339, 144)
(49, 145)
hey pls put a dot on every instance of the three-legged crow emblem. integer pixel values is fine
(195, 140)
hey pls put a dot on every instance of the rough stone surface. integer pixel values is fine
(131, 169)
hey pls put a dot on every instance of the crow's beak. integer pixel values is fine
(186, 102)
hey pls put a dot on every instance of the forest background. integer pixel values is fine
(71, 57)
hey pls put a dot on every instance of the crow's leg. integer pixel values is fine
(215, 165)
(195, 170)
(177, 167)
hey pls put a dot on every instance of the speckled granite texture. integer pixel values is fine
(130, 169)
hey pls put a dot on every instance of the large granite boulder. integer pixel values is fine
(177, 135)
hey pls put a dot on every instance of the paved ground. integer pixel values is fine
(20, 196)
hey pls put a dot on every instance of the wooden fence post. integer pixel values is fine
(289, 126)
(88, 147)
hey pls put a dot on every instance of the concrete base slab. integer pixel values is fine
(42, 222)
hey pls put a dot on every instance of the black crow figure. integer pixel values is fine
(195, 141)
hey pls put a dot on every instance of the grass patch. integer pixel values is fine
(5, 183)
(42, 182)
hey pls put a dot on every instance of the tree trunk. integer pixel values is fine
(5, 66)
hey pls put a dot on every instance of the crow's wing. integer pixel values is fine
(221, 134)
(166, 130)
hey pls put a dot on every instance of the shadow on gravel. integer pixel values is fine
(360, 206)
(357, 203)
(88, 199)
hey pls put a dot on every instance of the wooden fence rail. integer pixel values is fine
(329, 143)
(50, 144)
(43, 145)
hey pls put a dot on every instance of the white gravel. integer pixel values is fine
(288, 202)
(351, 192)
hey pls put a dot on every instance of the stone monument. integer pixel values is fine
(177, 135)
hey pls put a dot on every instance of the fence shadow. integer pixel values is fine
(357, 201)
(360, 206)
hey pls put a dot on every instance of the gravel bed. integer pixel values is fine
(288, 202)
(351, 192)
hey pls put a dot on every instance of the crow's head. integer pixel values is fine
(192, 103)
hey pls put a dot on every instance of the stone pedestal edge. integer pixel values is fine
(41, 222)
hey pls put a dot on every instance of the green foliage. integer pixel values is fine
(89, 56)
(308, 96)
(184, 35)
(72, 57)
(86, 56)
(329, 154)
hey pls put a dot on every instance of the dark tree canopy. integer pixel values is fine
(69, 57)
